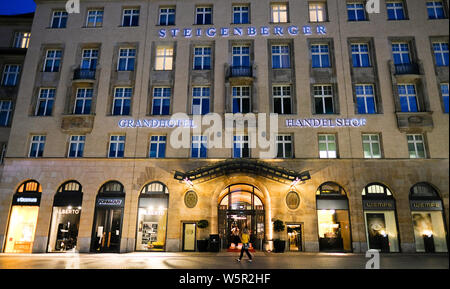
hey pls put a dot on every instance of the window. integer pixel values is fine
(360, 55)
(83, 101)
(441, 53)
(280, 56)
(241, 14)
(164, 58)
(356, 11)
(279, 13)
(327, 146)
(202, 58)
(416, 146)
(317, 12)
(157, 146)
(161, 100)
(395, 10)
(6, 112)
(400, 53)
(203, 15)
(408, 98)
(445, 97)
(59, 19)
(94, 18)
(127, 58)
(241, 99)
(130, 17)
(365, 98)
(199, 146)
(284, 146)
(241, 147)
(323, 99)
(371, 146)
(116, 146)
(22, 40)
(76, 146)
(167, 16)
(435, 10)
(282, 101)
(200, 100)
(89, 59)
(122, 101)
(241, 56)
(10, 75)
(37, 146)
(45, 102)
(320, 56)
(52, 60)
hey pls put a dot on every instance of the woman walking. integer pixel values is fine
(245, 238)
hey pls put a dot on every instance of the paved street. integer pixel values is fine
(222, 260)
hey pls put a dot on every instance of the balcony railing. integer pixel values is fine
(84, 74)
(407, 68)
(241, 71)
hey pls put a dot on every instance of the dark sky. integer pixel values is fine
(8, 7)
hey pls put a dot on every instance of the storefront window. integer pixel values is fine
(65, 218)
(152, 218)
(380, 218)
(23, 219)
(428, 219)
(333, 218)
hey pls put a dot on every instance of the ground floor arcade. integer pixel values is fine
(127, 205)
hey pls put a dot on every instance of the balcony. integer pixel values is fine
(241, 71)
(409, 68)
(406, 71)
(82, 75)
(239, 75)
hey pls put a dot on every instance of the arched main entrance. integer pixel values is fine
(241, 207)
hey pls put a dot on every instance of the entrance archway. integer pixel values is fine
(241, 207)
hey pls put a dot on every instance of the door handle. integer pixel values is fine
(109, 238)
(103, 239)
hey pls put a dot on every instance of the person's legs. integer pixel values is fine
(248, 254)
(242, 253)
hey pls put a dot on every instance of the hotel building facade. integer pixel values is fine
(361, 102)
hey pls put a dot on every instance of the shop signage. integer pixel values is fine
(330, 204)
(69, 211)
(378, 204)
(155, 123)
(426, 205)
(26, 199)
(325, 122)
(250, 31)
(109, 202)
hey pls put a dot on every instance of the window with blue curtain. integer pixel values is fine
(365, 98)
(202, 58)
(280, 56)
(167, 16)
(356, 12)
(408, 97)
(116, 146)
(400, 53)
(320, 56)
(395, 10)
(157, 146)
(200, 100)
(360, 55)
(122, 101)
(445, 96)
(435, 10)
(241, 14)
(441, 53)
(199, 146)
(161, 100)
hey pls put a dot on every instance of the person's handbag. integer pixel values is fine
(245, 245)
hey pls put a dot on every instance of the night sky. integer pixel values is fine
(8, 7)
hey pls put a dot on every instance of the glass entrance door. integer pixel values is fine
(189, 240)
(295, 237)
(108, 226)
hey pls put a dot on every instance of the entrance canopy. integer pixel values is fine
(245, 166)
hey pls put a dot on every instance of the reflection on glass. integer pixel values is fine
(334, 230)
(429, 232)
(152, 222)
(64, 229)
(382, 231)
(21, 230)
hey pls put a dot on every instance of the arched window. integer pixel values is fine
(333, 218)
(428, 218)
(65, 217)
(23, 218)
(152, 217)
(109, 206)
(380, 218)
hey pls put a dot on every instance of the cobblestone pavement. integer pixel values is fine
(221, 260)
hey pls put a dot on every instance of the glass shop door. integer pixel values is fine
(108, 226)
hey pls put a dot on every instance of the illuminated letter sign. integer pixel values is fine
(325, 122)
